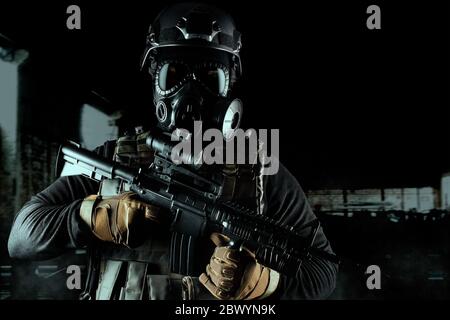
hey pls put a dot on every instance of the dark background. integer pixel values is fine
(356, 108)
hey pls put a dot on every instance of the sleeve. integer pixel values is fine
(49, 223)
(286, 202)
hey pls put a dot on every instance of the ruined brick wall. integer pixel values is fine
(6, 194)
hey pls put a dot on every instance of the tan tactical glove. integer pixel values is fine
(121, 219)
(236, 275)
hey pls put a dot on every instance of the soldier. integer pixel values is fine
(192, 55)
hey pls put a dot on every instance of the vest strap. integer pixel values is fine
(108, 279)
(134, 286)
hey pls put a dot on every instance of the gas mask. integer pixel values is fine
(192, 53)
(188, 90)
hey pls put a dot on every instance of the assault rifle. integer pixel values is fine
(195, 206)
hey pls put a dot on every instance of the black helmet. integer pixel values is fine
(194, 25)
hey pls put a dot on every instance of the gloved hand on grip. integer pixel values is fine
(122, 219)
(234, 274)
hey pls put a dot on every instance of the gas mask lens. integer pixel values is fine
(172, 75)
(214, 77)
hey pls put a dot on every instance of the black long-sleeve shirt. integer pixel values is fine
(49, 224)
